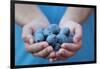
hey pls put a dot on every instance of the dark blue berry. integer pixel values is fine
(38, 37)
(57, 46)
(54, 28)
(70, 38)
(47, 32)
(51, 39)
(62, 38)
(65, 31)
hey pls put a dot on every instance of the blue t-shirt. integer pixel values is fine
(54, 14)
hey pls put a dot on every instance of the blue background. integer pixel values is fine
(54, 14)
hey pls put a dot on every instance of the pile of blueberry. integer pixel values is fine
(54, 36)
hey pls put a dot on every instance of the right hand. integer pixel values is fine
(41, 49)
(67, 50)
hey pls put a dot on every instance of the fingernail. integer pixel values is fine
(63, 45)
(49, 49)
(44, 46)
(31, 41)
(46, 43)
(51, 60)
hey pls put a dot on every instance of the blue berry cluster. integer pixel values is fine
(54, 36)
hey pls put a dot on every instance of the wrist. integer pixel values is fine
(67, 19)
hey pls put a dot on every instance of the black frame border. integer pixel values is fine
(12, 34)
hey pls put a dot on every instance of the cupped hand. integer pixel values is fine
(41, 49)
(69, 49)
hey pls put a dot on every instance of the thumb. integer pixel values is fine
(31, 39)
(76, 38)
(78, 34)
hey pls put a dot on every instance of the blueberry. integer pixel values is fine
(38, 37)
(57, 47)
(62, 38)
(70, 38)
(51, 39)
(47, 32)
(72, 34)
(65, 31)
(54, 28)
(39, 30)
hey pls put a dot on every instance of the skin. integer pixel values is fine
(73, 18)
(32, 19)
(69, 49)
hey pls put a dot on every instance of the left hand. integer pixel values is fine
(68, 49)
(40, 49)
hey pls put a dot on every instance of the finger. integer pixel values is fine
(71, 46)
(36, 47)
(59, 57)
(52, 59)
(28, 39)
(27, 35)
(78, 34)
(52, 54)
(65, 53)
(45, 52)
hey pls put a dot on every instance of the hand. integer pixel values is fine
(41, 49)
(68, 49)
